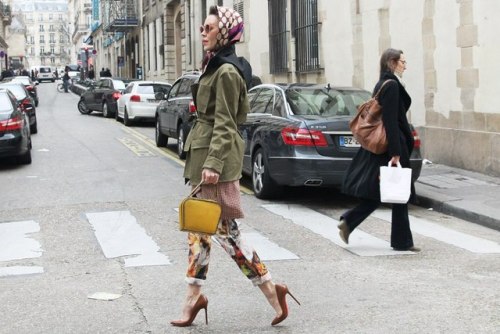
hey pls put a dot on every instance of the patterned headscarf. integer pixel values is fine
(230, 27)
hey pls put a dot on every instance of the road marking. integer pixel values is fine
(20, 270)
(360, 243)
(135, 147)
(446, 235)
(266, 249)
(16, 245)
(119, 234)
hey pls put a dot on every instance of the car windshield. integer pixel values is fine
(73, 68)
(152, 89)
(325, 102)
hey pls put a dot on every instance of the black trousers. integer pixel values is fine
(401, 237)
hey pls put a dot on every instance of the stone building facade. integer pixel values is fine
(450, 46)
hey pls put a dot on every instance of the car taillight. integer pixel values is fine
(116, 95)
(303, 137)
(192, 107)
(29, 87)
(416, 139)
(14, 123)
(26, 104)
(135, 98)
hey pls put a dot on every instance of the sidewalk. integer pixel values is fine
(464, 194)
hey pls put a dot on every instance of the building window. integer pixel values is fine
(42, 50)
(305, 30)
(42, 39)
(278, 50)
(52, 38)
(50, 17)
(41, 28)
(40, 17)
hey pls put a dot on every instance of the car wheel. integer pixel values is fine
(126, 120)
(82, 108)
(263, 186)
(161, 139)
(181, 140)
(25, 159)
(105, 110)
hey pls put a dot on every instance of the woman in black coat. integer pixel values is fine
(362, 177)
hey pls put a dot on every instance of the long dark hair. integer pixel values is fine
(388, 60)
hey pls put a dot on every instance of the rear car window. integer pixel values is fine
(118, 84)
(325, 102)
(17, 90)
(5, 106)
(152, 89)
(45, 70)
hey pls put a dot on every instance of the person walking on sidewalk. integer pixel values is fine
(362, 176)
(215, 156)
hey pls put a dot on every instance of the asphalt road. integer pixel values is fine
(98, 194)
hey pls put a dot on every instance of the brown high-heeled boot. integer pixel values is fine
(281, 292)
(202, 302)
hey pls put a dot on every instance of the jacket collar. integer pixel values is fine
(227, 55)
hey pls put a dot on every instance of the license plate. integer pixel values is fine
(348, 141)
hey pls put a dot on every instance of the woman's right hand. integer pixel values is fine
(209, 176)
(394, 160)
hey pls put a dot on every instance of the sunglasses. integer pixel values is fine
(207, 28)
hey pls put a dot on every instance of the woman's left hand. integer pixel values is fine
(209, 176)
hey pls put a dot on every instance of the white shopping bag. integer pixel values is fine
(395, 184)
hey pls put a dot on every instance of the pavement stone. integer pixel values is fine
(467, 195)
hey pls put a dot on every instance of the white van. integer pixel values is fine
(45, 73)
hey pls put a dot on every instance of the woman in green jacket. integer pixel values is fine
(215, 157)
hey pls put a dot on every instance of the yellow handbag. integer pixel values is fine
(199, 215)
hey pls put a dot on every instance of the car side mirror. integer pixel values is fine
(36, 83)
(160, 96)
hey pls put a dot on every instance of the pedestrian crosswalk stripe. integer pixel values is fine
(15, 244)
(119, 235)
(360, 243)
(20, 270)
(444, 234)
(266, 249)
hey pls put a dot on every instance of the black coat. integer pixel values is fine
(362, 176)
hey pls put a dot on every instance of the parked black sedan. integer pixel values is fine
(102, 96)
(175, 114)
(24, 100)
(15, 136)
(298, 135)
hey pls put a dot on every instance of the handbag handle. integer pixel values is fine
(398, 165)
(198, 188)
(380, 89)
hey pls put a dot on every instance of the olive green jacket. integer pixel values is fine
(215, 142)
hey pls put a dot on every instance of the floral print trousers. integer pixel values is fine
(229, 237)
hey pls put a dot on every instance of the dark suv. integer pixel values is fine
(175, 114)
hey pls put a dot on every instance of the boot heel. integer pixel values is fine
(206, 313)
